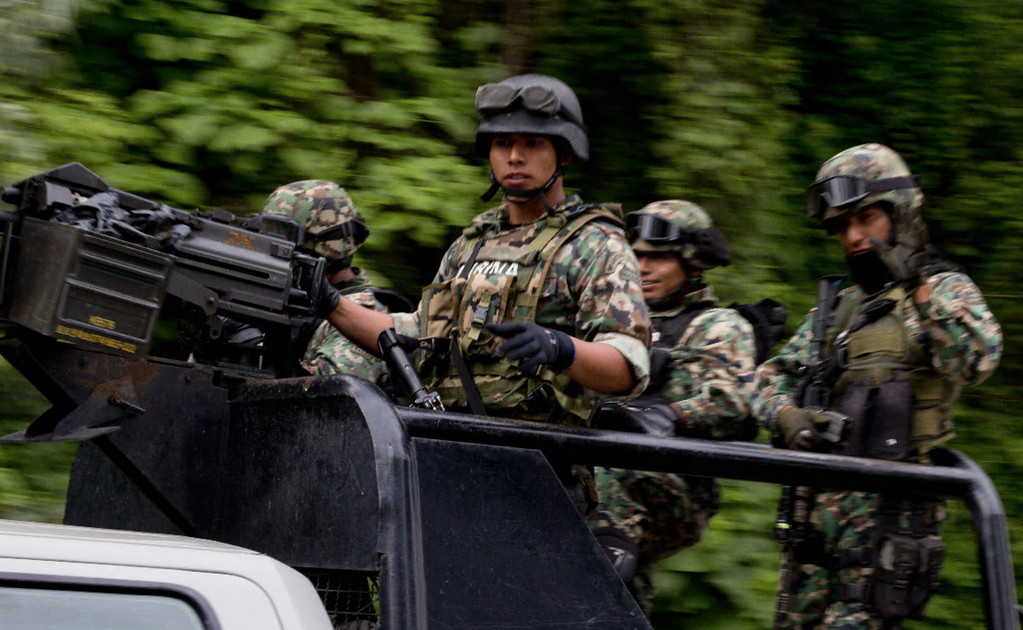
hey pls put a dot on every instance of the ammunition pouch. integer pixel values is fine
(906, 575)
(880, 418)
(906, 566)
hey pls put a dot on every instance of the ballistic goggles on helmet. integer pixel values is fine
(493, 98)
(281, 226)
(844, 190)
(654, 229)
(290, 229)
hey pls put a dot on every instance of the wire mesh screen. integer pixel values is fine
(351, 598)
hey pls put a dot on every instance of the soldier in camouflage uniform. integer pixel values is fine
(334, 229)
(539, 300)
(902, 341)
(701, 380)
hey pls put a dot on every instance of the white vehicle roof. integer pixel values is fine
(214, 570)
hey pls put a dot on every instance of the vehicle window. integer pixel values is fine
(49, 609)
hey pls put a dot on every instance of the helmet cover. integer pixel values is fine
(699, 245)
(873, 162)
(318, 205)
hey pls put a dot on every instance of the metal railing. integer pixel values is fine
(953, 476)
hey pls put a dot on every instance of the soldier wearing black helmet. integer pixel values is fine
(537, 306)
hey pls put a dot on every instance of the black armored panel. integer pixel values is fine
(322, 474)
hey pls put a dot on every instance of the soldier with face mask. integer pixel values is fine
(537, 306)
(900, 343)
(702, 363)
(330, 226)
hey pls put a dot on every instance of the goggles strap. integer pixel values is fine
(892, 183)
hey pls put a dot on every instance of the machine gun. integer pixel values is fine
(814, 393)
(90, 264)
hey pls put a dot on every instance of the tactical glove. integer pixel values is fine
(533, 345)
(655, 418)
(328, 299)
(906, 264)
(798, 428)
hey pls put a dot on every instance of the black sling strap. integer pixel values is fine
(472, 395)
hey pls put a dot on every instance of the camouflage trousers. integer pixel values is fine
(810, 597)
(660, 513)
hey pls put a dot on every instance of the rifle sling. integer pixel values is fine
(472, 395)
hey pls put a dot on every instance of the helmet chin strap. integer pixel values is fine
(524, 193)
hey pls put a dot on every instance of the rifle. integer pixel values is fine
(813, 392)
(87, 263)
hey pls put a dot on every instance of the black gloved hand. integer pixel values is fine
(907, 265)
(535, 345)
(328, 299)
(654, 418)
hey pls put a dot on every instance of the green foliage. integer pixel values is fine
(729, 104)
(33, 479)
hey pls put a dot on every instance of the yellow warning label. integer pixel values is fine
(100, 322)
(240, 239)
(82, 335)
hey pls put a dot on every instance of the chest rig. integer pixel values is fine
(501, 277)
(899, 406)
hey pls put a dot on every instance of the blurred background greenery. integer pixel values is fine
(731, 104)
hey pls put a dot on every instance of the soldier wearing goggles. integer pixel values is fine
(897, 348)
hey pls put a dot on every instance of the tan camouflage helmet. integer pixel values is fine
(331, 226)
(678, 226)
(863, 176)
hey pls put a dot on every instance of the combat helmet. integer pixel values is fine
(863, 176)
(319, 216)
(533, 104)
(681, 227)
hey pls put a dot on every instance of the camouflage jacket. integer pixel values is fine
(955, 327)
(591, 289)
(330, 352)
(710, 377)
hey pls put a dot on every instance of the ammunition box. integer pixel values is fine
(87, 288)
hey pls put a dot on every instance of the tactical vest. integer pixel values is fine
(502, 283)
(884, 351)
(669, 330)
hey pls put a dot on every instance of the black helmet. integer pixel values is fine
(534, 104)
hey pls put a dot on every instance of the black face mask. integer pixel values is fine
(868, 271)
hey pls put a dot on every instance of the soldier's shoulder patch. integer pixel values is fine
(624, 264)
